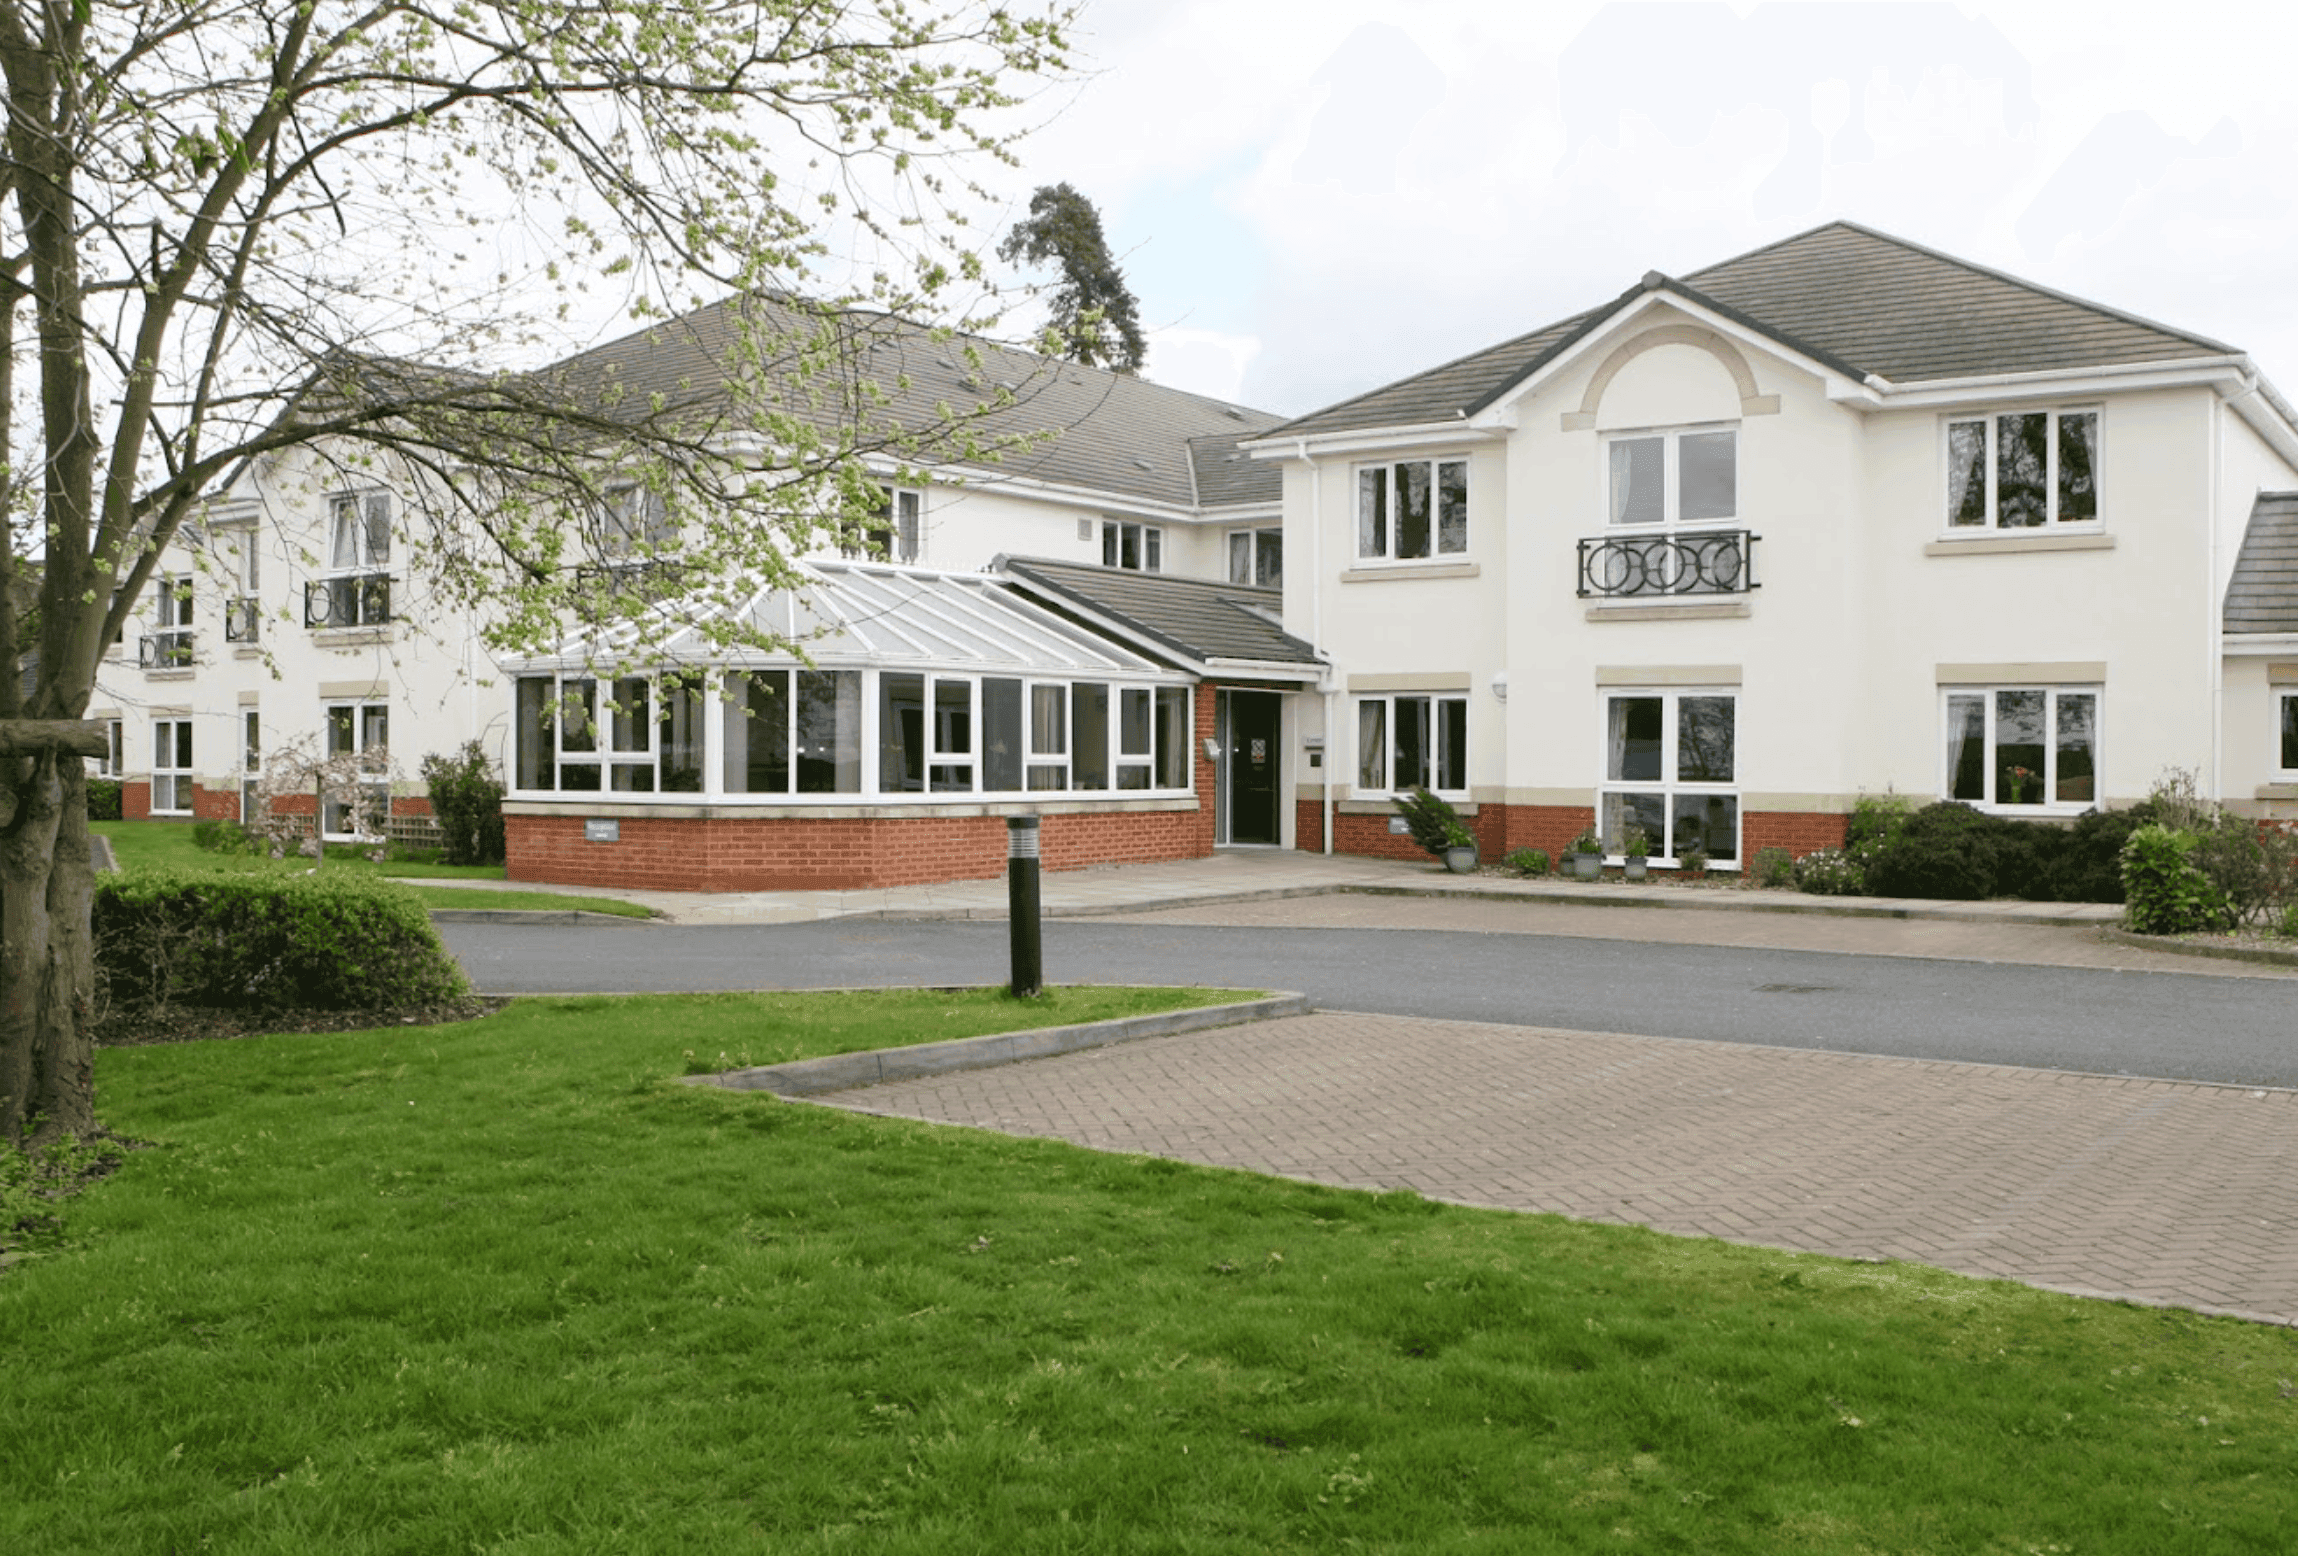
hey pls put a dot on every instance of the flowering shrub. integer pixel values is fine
(1829, 872)
(2164, 891)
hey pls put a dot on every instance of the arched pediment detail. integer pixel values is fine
(1752, 400)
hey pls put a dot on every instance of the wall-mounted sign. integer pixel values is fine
(601, 829)
(1398, 827)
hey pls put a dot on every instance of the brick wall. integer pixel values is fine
(1500, 829)
(207, 804)
(1798, 831)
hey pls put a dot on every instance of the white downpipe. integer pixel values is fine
(2214, 625)
(1317, 639)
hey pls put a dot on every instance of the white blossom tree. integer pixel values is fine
(234, 227)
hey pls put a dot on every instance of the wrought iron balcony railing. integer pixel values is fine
(363, 600)
(170, 648)
(242, 621)
(1689, 562)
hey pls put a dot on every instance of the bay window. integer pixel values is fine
(1412, 510)
(1670, 772)
(2023, 470)
(1412, 742)
(2025, 746)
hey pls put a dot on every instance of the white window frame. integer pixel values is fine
(172, 739)
(172, 630)
(1671, 440)
(633, 523)
(1438, 709)
(1989, 799)
(1260, 549)
(1670, 785)
(366, 554)
(1147, 542)
(112, 764)
(361, 732)
(1991, 523)
(2284, 735)
(250, 762)
(1375, 487)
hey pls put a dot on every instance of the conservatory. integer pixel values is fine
(928, 707)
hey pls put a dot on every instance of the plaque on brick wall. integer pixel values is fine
(1399, 827)
(601, 829)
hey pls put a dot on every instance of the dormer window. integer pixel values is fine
(2023, 470)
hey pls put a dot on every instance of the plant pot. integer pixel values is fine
(1635, 868)
(1461, 861)
(1588, 867)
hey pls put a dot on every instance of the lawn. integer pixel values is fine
(507, 1287)
(168, 845)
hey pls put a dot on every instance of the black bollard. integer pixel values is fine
(1021, 905)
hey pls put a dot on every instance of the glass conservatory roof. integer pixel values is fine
(849, 614)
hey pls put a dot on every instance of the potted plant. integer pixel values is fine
(1692, 862)
(1438, 829)
(1587, 856)
(1636, 845)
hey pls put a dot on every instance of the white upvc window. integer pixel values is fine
(170, 644)
(1412, 741)
(633, 521)
(2023, 747)
(356, 588)
(1257, 557)
(111, 763)
(361, 729)
(1137, 548)
(250, 763)
(1671, 772)
(1412, 510)
(1687, 475)
(2029, 469)
(894, 531)
(2286, 731)
(171, 767)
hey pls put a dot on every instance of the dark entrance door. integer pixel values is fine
(1249, 766)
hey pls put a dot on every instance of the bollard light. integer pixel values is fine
(1021, 906)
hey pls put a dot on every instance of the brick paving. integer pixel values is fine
(2160, 1191)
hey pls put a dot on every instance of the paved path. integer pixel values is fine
(2161, 1191)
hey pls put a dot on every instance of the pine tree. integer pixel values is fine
(1094, 313)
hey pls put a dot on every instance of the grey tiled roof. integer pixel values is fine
(1108, 432)
(2262, 596)
(1227, 477)
(1861, 301)
(1200, 619)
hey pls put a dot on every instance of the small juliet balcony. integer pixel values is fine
(1675, 564)
(359, 600)
(242, 621)
(170, 648)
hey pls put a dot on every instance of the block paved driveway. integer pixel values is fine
(2163, 1191)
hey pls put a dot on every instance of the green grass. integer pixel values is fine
(504, 1287)
(435, 897)
(168, 845)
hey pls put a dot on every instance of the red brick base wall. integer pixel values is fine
(829, 854)
(207, 804)
(1501, 829)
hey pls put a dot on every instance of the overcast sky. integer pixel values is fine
(1313, 197)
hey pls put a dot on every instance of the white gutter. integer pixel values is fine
(1370, 440)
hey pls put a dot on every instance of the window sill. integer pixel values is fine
(2001, 541)
(246, 651)
(1398, 572)
(1460, 805)
(2281, 789)
(351, 637)
(178, 673)
(1673, 610)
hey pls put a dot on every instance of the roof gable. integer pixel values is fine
(1853, 299)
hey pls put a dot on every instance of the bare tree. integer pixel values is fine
(230, 228)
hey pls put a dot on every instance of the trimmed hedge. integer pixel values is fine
(268, 942)
(103, 799)
(1949, 850)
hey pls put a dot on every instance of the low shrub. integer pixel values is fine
(1877, 821)
(1946, 851)
(1692, 859)
(1829, 872)
(267, 942)
(222, 837)
(2089, 863)
(1528, 861)
(103, 799)
(2165, 892)
(1435, 825)
(467, 801)
(1773, 867)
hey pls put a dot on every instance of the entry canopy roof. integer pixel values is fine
(849, 615)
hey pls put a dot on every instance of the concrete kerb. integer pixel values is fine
(845, 1072)
(532, 916)
(2264, 956)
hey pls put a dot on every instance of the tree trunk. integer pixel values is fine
(47, 970)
